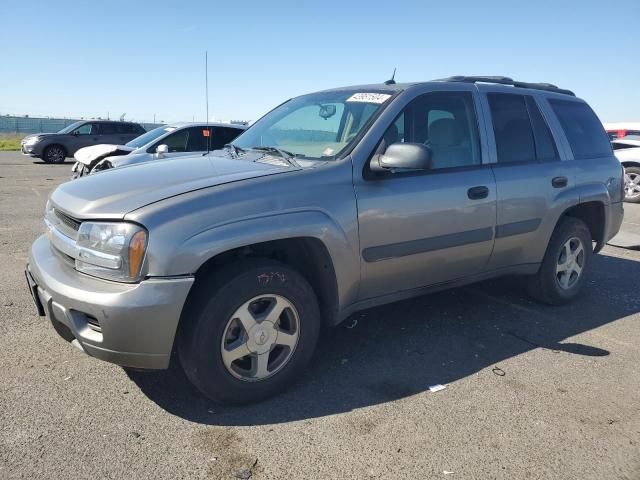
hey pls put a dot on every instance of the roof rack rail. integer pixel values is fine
(507, 81)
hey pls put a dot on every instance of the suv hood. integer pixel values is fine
(89, 155)
(114, 193)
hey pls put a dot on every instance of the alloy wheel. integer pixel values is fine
(260, 337)
(570, 263)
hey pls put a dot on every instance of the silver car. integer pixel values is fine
(169, 141)
(627, 150)
(331, 203)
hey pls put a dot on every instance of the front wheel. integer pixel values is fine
(632, 184)
(249, 331)
(565, 265)
(54, 154)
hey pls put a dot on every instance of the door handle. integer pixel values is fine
(559, 182)
(477, 193)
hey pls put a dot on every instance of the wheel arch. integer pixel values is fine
(592, 213)
(308, 256)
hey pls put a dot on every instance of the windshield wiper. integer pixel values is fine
(288, 156)
(236, 150)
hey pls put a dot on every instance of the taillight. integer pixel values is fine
(621, 133)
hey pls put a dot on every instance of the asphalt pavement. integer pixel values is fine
(532, 391)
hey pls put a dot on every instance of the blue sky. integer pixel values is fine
(145, 58)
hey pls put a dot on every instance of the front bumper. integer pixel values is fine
(29, 150)
(133, 325)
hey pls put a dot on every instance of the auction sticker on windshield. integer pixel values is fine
(368, 97)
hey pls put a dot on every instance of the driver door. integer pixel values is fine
(427, 227)
(84, 136)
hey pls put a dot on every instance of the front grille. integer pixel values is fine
(71, 223)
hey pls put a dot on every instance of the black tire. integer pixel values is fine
(635, 173)
(210, 308)
(54, 154)
(545, 285)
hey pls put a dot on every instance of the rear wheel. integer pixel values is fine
(54, 154)
(565, 265)
(249, 331)
(632, 184)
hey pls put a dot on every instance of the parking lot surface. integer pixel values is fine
(531, 391)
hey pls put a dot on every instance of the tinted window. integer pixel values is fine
(582, 128)
(224, 135)
(512, 128)
(177, 142)
(108, 129)
(198, 137)
(545, 145)
(444, 121)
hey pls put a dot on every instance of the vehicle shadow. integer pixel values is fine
(42, 162)
(400, 349)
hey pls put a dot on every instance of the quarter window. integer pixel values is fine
(584, 131)
(545, 146)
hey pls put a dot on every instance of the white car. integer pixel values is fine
(170, 141)
(627, 150)
(622, 129)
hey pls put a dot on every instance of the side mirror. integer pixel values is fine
(402, 156)
(161, 150)
(75, 133)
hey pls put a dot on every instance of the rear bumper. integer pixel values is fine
(132, 325)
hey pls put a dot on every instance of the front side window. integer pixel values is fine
(177, 142)
(582, 128)
(86, 129)
(70, 128)
(446, 122)
(320, 126)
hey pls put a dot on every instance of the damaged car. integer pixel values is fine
(168, 141)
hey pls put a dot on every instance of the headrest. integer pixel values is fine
(444, 131)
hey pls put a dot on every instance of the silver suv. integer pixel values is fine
(331, 203)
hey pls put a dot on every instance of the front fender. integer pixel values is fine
(196, 250)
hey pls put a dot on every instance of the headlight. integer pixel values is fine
(114, 251)
(32, 140)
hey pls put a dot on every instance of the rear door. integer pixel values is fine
(108, 133)
(530, 177)
(427, 227)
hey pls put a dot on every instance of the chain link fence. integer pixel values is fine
(25, 125)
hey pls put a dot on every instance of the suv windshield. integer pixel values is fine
(71, 127)
(150, 136)
(319, 126)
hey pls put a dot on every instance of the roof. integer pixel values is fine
(496, 80)
(204, 124)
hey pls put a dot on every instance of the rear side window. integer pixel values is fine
(107, 128)
(224, 135)
(513, 131)
(582, 128)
